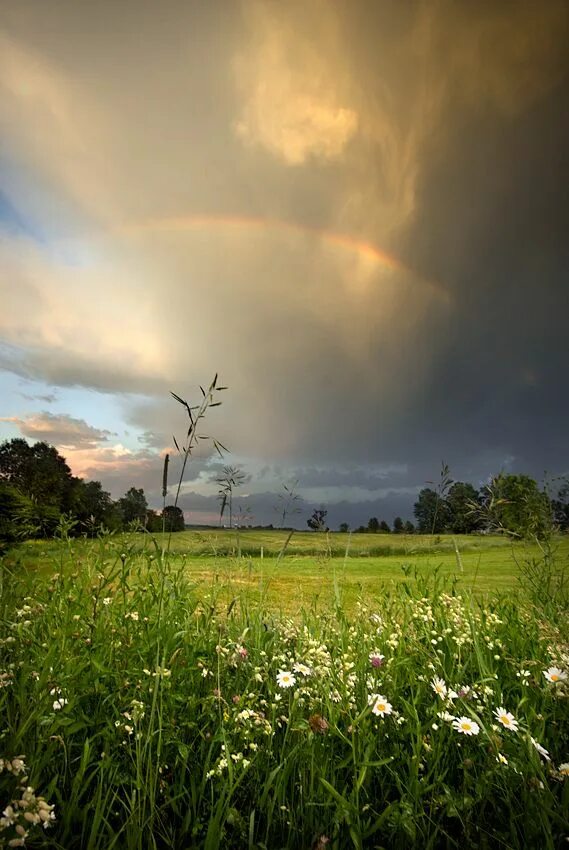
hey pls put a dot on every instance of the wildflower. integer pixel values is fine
(439, 687)
(501, 759)
(285, 679)
(564, 769)
(107, 600)
(541, 750)
(302, 668)
(507, 720)
(318, 724)
(376, 659)
(554, 674)
(379, 705)
(59, 703)
(466, 726)
(446, 715)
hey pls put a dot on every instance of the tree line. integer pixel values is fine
(37, 489)
(511, 504)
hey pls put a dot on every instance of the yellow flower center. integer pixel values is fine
(381, 706)
(554, 677)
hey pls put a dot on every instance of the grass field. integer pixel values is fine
(307, 568)
(317, 697)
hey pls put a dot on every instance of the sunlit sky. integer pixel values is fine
(355, 211)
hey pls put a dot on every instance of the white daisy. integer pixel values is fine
(507, 720)
(554, 674)
(466, 726)
(439, 686)
(285, 679)
(564, 768)
(302, 668)
(379, 705)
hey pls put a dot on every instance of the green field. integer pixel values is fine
(307, 568)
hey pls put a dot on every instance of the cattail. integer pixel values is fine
(165, 476)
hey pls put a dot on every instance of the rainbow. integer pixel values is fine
(344, 241)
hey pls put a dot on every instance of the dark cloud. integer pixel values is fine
(293, 146)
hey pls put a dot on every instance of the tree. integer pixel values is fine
(384, 527)
(16, 514)
(133, 506)
(173, 518)
(93, 506)
(515, 505)
(317, 521)
(560, 506)
(461, 504)
(430, 512)
(373, 525)
(344, 528)
(398, 525)
(409, 527)
(39, 472)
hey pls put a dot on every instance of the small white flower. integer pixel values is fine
(379, 705)
(446, 715)
(501, 759)
(302, 668)
(554, 674)
(59, 703)
(466, 726)
(507, 719)
(564, 768)
(541, 750)
(285, 679)
(439, 687)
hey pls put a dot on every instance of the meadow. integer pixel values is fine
(248, 689)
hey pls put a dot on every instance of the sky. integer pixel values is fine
(355, 211)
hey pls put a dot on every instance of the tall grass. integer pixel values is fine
(151, 718)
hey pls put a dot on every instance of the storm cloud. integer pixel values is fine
(354, 212)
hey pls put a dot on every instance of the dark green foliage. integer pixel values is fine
(373, 525)
(173, 518)
(344, 527)
(94, 508)
(39, 472)
(560, 506)
(317, 521)
(461, 503)
(384, 527)
(431, 512)
(133, 507)
(398, 526)
(515, 505)
(15, 514)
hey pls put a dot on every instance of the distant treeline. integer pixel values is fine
(37, 489)
(513, 504)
